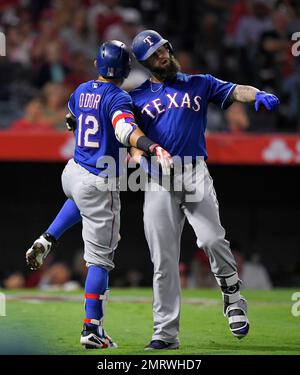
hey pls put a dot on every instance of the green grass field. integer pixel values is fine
(39, 322)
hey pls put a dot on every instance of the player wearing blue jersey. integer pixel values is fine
(104, 122)
(171, 108)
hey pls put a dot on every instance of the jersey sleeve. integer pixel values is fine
(120, 110)
(71, 104)
(219, 91)
(120, 102)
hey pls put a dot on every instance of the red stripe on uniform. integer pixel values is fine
(93, 321)
(91, 295)
(119, 117)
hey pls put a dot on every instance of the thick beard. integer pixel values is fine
(168, 73)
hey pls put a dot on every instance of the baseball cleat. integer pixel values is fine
(41, 247)
(237, 318)
(96, 338)
(159, 344)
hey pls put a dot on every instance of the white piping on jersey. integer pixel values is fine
(71, 110)
(229, 92)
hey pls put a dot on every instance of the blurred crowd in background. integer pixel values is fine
(58, 275)
(51, 45)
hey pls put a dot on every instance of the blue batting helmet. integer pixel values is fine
(146, 43)
(113, 60)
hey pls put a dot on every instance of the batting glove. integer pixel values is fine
(163, 158)
(70, 122)
(269, 101)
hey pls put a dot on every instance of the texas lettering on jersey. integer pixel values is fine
(174, 114)
(175, 100)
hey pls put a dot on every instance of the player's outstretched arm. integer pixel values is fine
(250, 94)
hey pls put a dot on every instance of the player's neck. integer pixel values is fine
(116, 81)
(154, 79)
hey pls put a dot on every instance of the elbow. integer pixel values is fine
(123, 132)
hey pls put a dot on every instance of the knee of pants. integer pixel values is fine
(165, 267)
(218, 247)
(166, 277)
(96, 258)
(211, 238)
(97, 264)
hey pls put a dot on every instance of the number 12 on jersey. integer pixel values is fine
(88, 125)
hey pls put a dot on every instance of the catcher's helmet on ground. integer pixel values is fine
(146, 43)
(113, 60)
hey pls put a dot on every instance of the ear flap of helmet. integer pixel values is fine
(170, 48)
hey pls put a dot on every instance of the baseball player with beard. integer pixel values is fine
(171, 108)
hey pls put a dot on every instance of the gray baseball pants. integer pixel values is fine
(99, 206)
(164, 217)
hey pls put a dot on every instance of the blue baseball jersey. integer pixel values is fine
(95, 105)
(174, 114)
